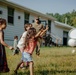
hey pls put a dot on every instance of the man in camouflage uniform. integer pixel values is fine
(37, 25)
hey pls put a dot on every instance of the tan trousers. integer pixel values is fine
(38, 47)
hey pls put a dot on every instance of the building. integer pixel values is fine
(17, 15)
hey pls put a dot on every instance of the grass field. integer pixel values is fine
(52, 61)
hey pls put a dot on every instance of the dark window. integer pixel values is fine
(43, 22)
(0, 11)
(10, 15)
(65, 37)
(49, 25)
(65, 34)
(26, 18)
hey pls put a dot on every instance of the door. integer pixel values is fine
(65, 38)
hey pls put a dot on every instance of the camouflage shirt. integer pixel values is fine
(37, 26)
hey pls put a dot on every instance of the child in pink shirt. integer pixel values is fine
(30, 44)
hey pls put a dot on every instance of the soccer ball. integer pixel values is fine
(72, 42)
(73, 51)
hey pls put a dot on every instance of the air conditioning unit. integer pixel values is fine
(0, 11)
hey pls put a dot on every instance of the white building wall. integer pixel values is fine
(4, 11)
(57, 32)
(19, 23)
(17, 28)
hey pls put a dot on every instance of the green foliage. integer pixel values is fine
(69, 18)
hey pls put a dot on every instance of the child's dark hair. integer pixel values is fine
(15, 37)
(27, 25)
(31, 32)
(2, 21)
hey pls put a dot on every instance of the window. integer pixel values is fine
(43, 22)
(0, 11)
(65, 34)
(49, 25)
(10, 15)
(26, 18)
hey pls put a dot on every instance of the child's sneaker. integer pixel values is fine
(23, 67)
(27, 66)
(15, 72)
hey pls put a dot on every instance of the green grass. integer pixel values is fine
(52, 61)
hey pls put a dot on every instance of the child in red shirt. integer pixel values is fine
(30, 44)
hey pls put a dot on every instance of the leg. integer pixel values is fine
(13, 52)
(31, 67)
(18, 67)
(27, 65)
(38, 48)
(22, 64)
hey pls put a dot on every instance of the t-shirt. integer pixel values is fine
(22, 40)
(37, 26)
(30, 48)
(15, 43)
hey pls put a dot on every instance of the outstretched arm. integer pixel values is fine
(38, 34)
(3, 43)
(43, 32)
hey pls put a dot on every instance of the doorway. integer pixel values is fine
(65, 38)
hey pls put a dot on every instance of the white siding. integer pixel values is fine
(57, 31)
(4, 12)
(17, 28)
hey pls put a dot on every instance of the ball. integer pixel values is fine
(73, 51)
(72, 42)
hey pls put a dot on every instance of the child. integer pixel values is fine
(30, 44)
(3, 59)
(16, 51)
(21, 43)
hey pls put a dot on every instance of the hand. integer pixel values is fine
(41, 29)
(11, 48)
(47, 27)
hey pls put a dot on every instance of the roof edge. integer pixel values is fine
(28, 9)
(63, 25)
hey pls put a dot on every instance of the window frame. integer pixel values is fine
(26, 17)
(11, 16)
(49, 25)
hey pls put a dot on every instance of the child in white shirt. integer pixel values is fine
(21, 43)
(15, 51)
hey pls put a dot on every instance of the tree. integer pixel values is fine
(69, 17)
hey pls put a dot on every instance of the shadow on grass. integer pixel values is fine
(54, 72)
(46, 72)
(21, 73)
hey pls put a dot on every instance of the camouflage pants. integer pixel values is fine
(38, 47)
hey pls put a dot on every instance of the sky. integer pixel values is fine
(49, 6)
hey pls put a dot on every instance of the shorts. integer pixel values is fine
(26, 57)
